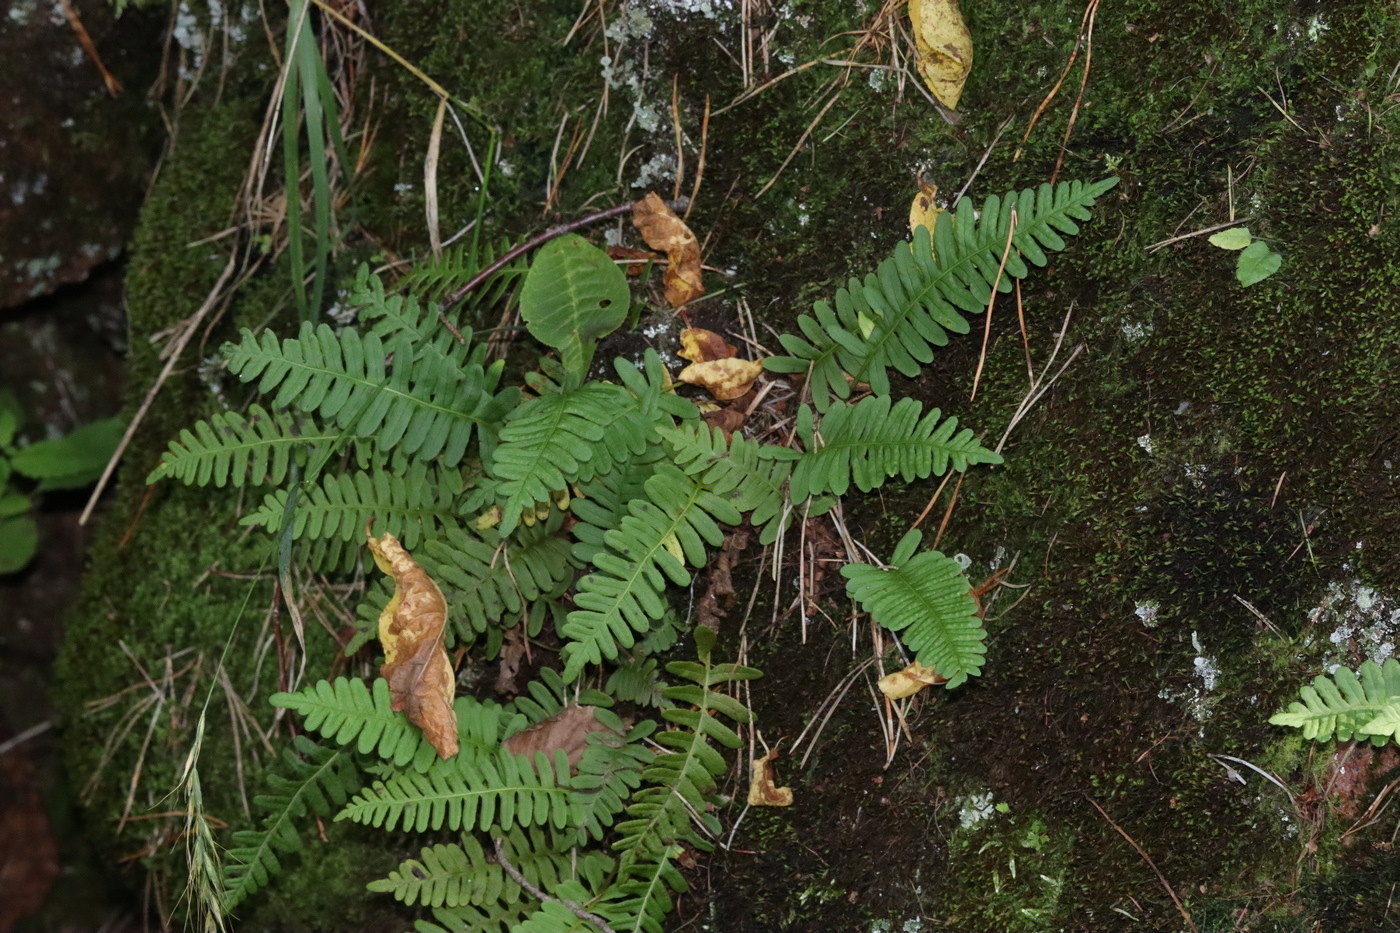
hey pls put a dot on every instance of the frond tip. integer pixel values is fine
(1348, 707)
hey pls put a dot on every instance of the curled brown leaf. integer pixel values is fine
(663, 230)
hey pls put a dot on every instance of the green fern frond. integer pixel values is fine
(485, 581)
(636, 680)
(927, 598)
(659, 536)
(870, 441)
(754, 473)
(916, 297)
(470, 791)
(320, 778)
(556, 917)
(436, 277)
(459, 875)
(424, 406)
(680, 783)
(252, 450)
(491, 918)
(551, 441)
(611, 768)
(548, 695)
(1347, 707)
(346, 711)
(601, 503)
(332, 512)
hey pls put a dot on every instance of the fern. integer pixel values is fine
(319, 779)
(436, 277)
(460, 875)
(872, 440)
(252, 450)
(607, 774)
(1347, 707)
(898, 314)
(680, 783)
(927, 598)
(346, 711)
(470, 791)
(425, 406)
(754, 472)
(651, 545)
(333, 512)
(635, 680)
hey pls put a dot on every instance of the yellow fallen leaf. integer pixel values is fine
(411, 629)
(944, 46)
(724, 379)
(924, 212)
(910, 681)
(763, 789)
(663, 230)
(700, 346)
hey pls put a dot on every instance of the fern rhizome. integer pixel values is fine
(572, 509)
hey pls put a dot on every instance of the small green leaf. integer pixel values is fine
(573, 294)
(73, 461)
(1257, 263)
(11, 417)
(1234, 238)
(13, 503)
(19, 539)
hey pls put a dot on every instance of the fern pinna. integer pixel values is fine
(1347, 706)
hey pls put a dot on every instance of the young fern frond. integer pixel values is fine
(898, 314)
(680, 783)
(332, 512)
(438, 276)
(755, 473)
(927, 598)
(319, 779)
(659, 536)
(871, 441)
(346, 711)
(255, 449)
(636, 680)
(426, 406)
(460, 875)
(470, 791)
(1347, 707)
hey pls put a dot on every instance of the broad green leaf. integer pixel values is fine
(10, 417)
(1234, 238)
(19, 539)
(1257, 263)
(573, 295)
(13, 503)
(73, 461)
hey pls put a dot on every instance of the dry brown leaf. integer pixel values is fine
(700, 346)
(513, 649)
(944, 46)
(763, 789)
(910, 681)
(663, 230)
(727, 420)
(411, 629)
(636, 259)
(718, 596)
(567, 730)
(924, 212)
(724, 379)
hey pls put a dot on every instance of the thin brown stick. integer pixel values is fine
(992, 300)
(520, 879)
(114, 87)
(947, 513)
(1035, 118)
(700, 162)
(1190, 924)
(680, 136)
(1093, 9)
(802, 141)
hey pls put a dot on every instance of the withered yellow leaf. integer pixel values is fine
(910, 681)
(924, 212)
(663, 230)
(724, 379)
(944, 46)
(411, 629)
(700, 346)
(763, 789)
